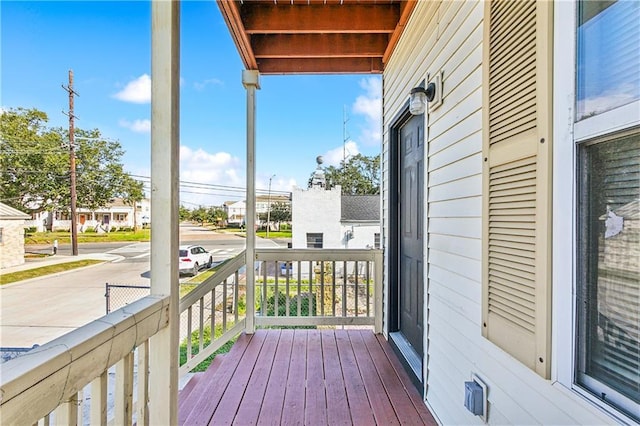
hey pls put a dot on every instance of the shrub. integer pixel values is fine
(30, 230)
(305, 309)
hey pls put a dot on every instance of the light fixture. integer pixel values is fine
(419, 98)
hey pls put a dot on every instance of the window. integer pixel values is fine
(314, 240)
(609, 286)
(376, 240)
(608, 75)
(607, 270)
(1, 237)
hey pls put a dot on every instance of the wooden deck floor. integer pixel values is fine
(310, 377)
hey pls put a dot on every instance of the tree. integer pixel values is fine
(278, 212)
(216, 215)
(132, 193)
(34, 164)
(34, 161)
(360, 175)
(185, 213)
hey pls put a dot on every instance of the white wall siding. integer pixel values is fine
(448, 36)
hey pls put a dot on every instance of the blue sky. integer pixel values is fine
(107, 45)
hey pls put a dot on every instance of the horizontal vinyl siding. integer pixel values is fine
(448, 36)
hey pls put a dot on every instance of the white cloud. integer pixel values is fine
(203, 84)
(370, 106)
(214, 169)
(334, 156)
(138, 126)
(137, 91)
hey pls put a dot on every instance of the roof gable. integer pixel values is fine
(7, 212)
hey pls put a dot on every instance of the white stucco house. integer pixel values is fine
(324, 218)
(12, 224)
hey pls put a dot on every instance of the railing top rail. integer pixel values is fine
(57, 370)
(216, 279)
(286, 254)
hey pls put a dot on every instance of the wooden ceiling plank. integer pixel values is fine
(347, 18)
(321, 66)
(319, 45)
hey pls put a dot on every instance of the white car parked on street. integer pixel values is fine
(194, 258)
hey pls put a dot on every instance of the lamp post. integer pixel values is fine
(269, 205)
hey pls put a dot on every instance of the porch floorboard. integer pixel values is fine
(311, 377)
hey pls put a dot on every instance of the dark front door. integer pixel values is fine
(411, 185)
(406, 230)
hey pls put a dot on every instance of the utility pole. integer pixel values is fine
(72, 165)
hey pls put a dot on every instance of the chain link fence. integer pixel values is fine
(119, 295)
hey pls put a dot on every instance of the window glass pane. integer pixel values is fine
(608, 74)
(609, 296)
(314, 240)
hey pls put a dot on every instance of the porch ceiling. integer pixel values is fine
(316, 36)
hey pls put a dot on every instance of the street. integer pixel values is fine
(39, 310)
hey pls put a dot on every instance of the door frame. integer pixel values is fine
(412, 363)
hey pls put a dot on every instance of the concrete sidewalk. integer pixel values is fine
(38, 262)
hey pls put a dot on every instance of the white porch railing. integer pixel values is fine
(45, 384)
(340, 287)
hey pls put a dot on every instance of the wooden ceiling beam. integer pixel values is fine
(320, 66)
(405, 12)
(231, 15)
(260, 18)
(319, 45)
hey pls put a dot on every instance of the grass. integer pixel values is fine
(195, 342)
(274, 234)
(87, 237)
(45, 270)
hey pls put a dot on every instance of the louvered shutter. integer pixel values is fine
(517, 180)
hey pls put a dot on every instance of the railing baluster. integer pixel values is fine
(344, 288)
(201, 325)
(368, 283)
(142, 411)
(212, 320)
(333, 288)
(299, 296)
(236, 294)
(322, 288)
(287, 298)
(99, 399)
(311, 289)
(263, 303)
(45, 421)
(67, 412)
(124, 391)
(224, 306)
(356, 287)
(189, 331)
(276, 307)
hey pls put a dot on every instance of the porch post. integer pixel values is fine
(251, 82)
(165, 145)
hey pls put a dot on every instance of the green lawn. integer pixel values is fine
(45, 270)
(87, 237)
(274, 234)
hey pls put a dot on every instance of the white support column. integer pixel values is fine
(165, 152)
(251, 82)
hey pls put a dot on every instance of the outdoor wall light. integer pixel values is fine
(419, 98)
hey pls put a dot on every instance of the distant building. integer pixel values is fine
(116, 214)
(12, 223)
(324, 218)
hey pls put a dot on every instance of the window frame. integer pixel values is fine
(568, 138)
